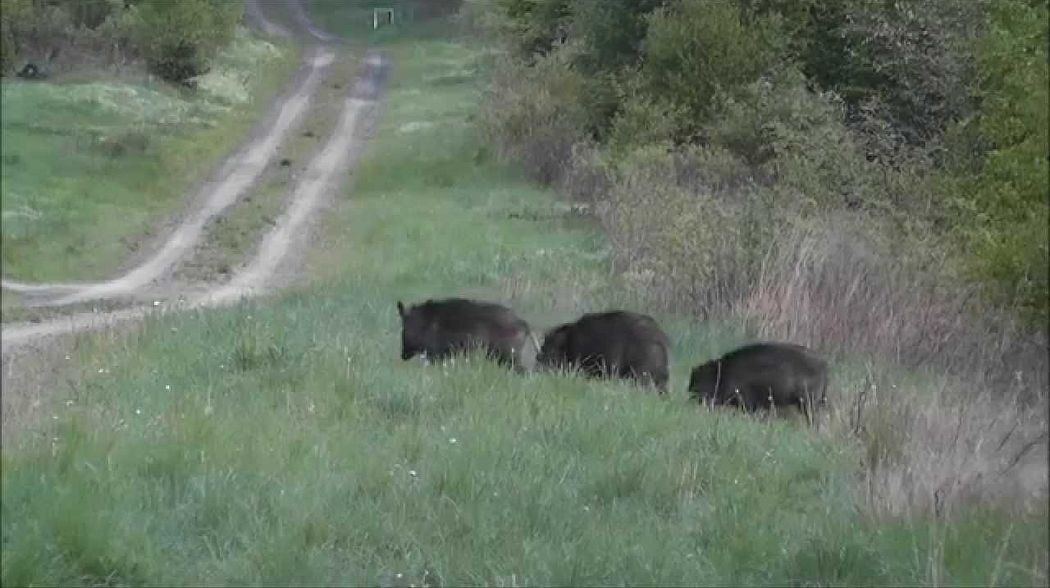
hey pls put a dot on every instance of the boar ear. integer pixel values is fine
(400, 309)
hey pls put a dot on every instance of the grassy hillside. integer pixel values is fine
(89, 169)
(285, 442)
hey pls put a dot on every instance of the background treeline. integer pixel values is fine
(175, 39)
(859, 175)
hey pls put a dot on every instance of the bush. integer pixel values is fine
(794, 138)
(1005, 207)
(916, 62)
(32, 31)
(696, 51)
(533, 26)
(536, 114)
(612, 32)
(179, 38)
(642, 119)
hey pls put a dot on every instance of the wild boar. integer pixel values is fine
(440, 328)
(761, 375)
(609, 344)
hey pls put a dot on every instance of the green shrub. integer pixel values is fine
(696, 51)
(533, 26)
(179, 38)
(1008, 203)
(612, 32)
(643, 119)
(611, 36)
(916, 62)
(536, 114)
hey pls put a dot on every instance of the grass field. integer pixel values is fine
(285, 442)
(89, 168)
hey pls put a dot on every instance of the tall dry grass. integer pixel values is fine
(972, 430)
(938, 447)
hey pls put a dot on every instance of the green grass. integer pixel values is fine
(285, 442)
(89, 169)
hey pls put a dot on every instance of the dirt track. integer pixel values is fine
(235, 179)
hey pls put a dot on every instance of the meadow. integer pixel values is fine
(283, 441)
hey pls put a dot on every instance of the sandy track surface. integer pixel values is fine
(253, 278)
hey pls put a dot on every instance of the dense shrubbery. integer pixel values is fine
(927, 126)
(176, 39)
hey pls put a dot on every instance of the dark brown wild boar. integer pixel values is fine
(761, 375)
(609, 344)
(440, 328)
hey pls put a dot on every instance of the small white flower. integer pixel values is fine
(101, 370)
(156, 303)
(69, 403)
(452, 440)
(138, 411)
(412, 473)
(67, 357)
(586, 508)
(398, 575)
(167, 386)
